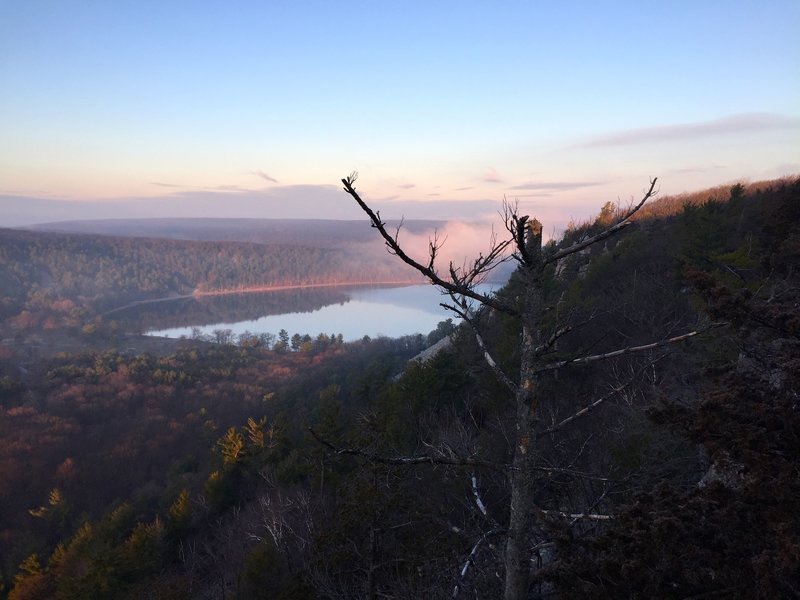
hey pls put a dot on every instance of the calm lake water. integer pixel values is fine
(353, 312)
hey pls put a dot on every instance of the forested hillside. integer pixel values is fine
(56, 279)
(331, 470)
(314, 233)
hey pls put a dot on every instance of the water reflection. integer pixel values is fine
(354, 312)
(208, 311)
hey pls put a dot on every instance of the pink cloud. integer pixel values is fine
(460, 241)
(492, 176)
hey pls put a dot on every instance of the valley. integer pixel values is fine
(289, 463)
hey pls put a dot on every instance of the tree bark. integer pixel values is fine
(522, 476)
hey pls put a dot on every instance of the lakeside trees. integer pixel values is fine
(50, 280)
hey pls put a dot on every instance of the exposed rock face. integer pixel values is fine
(766, 363)
(432, 351)
(724, 471)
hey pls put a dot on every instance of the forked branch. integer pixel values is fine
(463, 311)
(423, 459)
(593, 405)
(461, 286)
(453, 461)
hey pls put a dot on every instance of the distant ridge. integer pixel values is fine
(301, 232)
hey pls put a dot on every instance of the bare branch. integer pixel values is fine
(423, 459)
(454, 287)
(484, 264)
(552, 340)
(487, 356)
(559, 471)
(562, 331)
(434, 246)
(615, 228)
(471, 558)
(495, 368)
(576, 516)
(582, 360)
(543, 545)
(478, 501)
(454, 461)
(614, 391)
(399, 227)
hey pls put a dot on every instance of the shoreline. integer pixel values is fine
(255, 289)
(299, 286)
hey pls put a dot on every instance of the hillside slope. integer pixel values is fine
(682, 482)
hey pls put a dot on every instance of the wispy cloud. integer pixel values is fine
(166, 185)
(264, 176)
(407, 186)
(189, 189)
(461, 241)
(229, 188)
(464, 189)
(492, 176)
(34, 192)
(741, 123)
(697, 169)
(554, 186)
(784, 170)
(278, 202)
(225, 192)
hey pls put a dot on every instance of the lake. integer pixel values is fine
(391, 311)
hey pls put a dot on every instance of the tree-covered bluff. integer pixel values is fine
(51, 279)
(664, 473)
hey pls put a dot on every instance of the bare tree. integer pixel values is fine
(524, 242)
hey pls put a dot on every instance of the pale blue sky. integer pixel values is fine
(259, 108)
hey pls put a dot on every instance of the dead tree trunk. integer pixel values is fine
(525, 242)
(522, 474)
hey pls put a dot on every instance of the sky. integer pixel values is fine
(259, 108)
